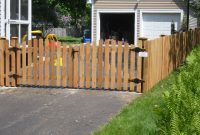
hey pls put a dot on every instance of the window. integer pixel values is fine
(24, 9)
(14, 9)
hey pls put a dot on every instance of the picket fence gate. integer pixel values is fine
(43, 63)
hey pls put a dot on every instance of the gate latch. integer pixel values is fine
(137, 81)
(137, 49)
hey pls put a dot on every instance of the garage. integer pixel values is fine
(118, 26)
(156, 24)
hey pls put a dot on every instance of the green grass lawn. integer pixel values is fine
(69, 40)
(139, 117)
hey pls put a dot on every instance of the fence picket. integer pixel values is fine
(119, 66)
(82, 66)
(7, 62)
(126, 75)
(100, 64)
(35, 61)
(18, 65)
(113, 66)
(2, 62)
(107, 66)
(64, 67)
(13, 60)
(71, 67)
(132, 66)
(24, 63)
(75, 62)
(30, 63)
(41, 62)
(58, 65)
(94, 66)
(47, 63)
(88, 74)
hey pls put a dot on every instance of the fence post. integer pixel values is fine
(144, 66)
(2, 62)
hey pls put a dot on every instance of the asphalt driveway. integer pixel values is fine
(35, 111)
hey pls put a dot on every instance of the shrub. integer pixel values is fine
(179, 114)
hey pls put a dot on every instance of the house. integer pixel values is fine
(15, 18)
(130, 19)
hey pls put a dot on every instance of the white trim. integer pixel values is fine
(92, 22)
(2, 18)
(98, 23)
(29, 19)
(175, 11)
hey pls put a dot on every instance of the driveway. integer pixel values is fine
(38, 111)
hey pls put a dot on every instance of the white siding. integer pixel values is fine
(193, 21)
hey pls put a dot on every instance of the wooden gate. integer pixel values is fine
(39, 63)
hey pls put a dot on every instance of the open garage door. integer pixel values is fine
(119, 26)
(156, 24)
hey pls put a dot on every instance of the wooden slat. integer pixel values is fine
(52, 65)
(47, 63)
(119, 66)
(82, 66)
(58, 82)
(100, 64)
(24, 63)
(30, 63)
(113, 65)
(146, 68)
(132, 68)
(64, 67)
(75, 78)
(88, 57)
(7, 62)
(149, 64)
(2, 43)
(18, 58)
(35, 61)
(71, 67)
(13, 60)
(126, 75)
(139, 64)
(41, 62)
(94, 66)
(107, 66)
(165, 49)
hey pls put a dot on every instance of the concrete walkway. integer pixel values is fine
(34, 111)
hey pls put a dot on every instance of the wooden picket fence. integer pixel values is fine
(109, 65)
(48, 64)
(167, 54)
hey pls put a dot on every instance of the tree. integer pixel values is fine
(75, 8)
(44, 11)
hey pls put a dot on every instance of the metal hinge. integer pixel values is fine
(14, 49)
(15, 76)
(137, 81)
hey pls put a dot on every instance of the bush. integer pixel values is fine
(179, 114)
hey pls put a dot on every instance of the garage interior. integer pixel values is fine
(118, 26)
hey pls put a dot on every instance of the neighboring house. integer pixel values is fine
(130, 19)
(15, 18)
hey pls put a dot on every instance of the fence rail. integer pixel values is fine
(108, 65)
